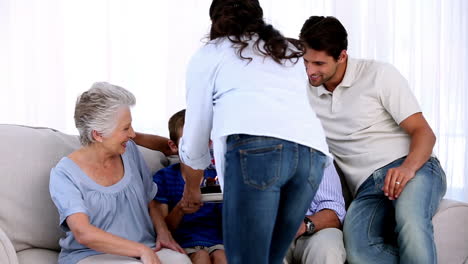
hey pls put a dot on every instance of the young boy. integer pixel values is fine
(200, 233)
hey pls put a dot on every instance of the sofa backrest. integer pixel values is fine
(27, 213)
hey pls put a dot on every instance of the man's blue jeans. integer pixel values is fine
(378, 230)
(268, 186)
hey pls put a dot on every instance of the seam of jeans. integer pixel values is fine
(296, 160)
(313, 160)
(431, 206)
(439, 176)
(378, 245)
(371, 220)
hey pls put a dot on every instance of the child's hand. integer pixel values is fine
(186, 209)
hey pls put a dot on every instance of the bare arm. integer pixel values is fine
(192, 194)
(102, 241)
(326, 218)
(164, 237)
(173, 217)
(154, 142)
(422, 143)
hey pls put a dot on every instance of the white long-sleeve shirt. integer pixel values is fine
(227, 95)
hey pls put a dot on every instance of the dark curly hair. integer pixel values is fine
(325, 34)
(239, 20)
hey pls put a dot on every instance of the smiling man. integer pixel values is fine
(380, 139)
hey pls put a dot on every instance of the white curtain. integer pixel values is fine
(52, 50)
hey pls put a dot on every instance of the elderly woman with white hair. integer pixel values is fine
(104, 191)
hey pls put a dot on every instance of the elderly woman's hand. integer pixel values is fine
(167, 241)
(149, 257)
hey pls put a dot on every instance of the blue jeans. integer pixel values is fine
(377, 230)
(268, 186)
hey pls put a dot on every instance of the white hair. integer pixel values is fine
(96, 109)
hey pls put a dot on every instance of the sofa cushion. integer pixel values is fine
(27, 213)
(450, 233)
(7, 251)
(38, 256)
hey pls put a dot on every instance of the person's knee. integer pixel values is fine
(412, 223)
(181, 258)
(325, 246)
(355, 257)
(168, 256)
(336, 254)
(218, 257)
(201, 256)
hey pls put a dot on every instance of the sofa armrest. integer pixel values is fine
(450, 233)
(7, 251)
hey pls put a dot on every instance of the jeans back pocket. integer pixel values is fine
(261, 167)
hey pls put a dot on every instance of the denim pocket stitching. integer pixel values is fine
(244, 141)
(261, 150)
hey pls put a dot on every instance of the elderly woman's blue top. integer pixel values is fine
(120, 209)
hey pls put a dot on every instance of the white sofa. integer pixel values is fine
(29, 231)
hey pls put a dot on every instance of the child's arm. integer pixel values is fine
(154, 142)
(174, 217)
(164, 237)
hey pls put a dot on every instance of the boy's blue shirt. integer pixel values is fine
(202, 228)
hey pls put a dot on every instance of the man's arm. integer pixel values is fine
(326, 218)
(422, 143)
(327, 210)
(154, 142)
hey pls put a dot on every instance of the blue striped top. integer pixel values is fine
(329, 194)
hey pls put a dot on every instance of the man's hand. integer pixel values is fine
(422, 142)
(396, 180)
(167, 241)
(301, 230)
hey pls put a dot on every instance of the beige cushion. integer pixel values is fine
(37, 256)
(154, 159)
(27, 213)
(7, 252)
(450, 232)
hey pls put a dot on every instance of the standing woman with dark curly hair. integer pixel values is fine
(247, 92)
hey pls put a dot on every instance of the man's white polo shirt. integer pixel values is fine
(361, 118)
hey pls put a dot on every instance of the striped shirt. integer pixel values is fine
(329, 194)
